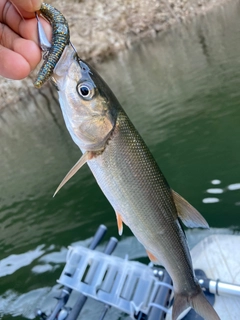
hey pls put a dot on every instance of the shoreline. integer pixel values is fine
(99, 30)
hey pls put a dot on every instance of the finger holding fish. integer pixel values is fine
(19, 51)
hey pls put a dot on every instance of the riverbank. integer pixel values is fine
(100, 30)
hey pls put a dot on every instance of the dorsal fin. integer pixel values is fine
(187, 213)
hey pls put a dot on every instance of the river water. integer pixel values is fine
(181, 90)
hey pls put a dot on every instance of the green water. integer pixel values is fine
(181, 91)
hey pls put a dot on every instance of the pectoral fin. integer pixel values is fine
(88, 155)
(187, 213)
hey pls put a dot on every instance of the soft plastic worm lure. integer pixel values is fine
(60, 38)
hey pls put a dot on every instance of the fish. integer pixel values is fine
(129, 177)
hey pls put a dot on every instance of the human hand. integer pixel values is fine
(19, 49)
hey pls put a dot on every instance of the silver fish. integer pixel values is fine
(129, 177)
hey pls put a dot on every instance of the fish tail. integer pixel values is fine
(196, 301)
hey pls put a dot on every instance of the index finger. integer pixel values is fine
(27, 7)
(27, 28)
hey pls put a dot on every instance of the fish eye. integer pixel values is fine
(86, 90)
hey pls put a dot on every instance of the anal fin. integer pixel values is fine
(152, 257)
(119, 223)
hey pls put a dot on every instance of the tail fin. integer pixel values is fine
(198, 302)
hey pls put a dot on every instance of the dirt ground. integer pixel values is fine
(100, 29)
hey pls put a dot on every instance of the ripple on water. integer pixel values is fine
(216, 181)
(14, 262)
(210, 200)
(234, 186)
(215, 190)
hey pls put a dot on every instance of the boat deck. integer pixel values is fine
(219, 257)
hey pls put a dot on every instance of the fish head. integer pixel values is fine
(85, 100)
